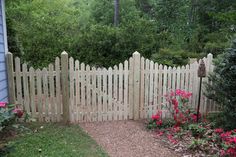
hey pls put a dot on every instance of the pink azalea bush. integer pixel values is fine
(8, 114)
(179, 108)
(183, 122)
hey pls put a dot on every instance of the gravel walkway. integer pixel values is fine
(126, 139)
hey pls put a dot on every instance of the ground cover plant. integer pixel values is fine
(53, 140)
(183, 134)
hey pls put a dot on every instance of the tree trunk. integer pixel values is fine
(116, 13)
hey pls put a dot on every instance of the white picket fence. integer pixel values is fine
(72, 91)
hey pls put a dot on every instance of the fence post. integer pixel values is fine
(136, 93)
(11, 86)
(65, 86)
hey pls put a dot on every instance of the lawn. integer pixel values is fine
(54, 140)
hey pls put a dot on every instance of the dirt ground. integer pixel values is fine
(126, 139)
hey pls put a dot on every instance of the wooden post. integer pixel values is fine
(65, 86)
(11, 86)
(136, 93)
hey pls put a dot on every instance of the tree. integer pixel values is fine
(222, 88)
(116, 13)
(43, 28)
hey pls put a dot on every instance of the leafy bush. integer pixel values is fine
(223, 86)
(197, 130)
(8, 114)
(173, 57)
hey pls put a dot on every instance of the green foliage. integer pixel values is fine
(7, 116)
(173, 57)
(44, 28)
(197, 130)
(197, 143)
(113, 45)
(223, 87)
(169, 31)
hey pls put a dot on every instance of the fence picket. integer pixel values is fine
(94, 107)
(115, 92)
(58, 89)
(99, 95)
(147, 73)
(104, 95)
(126, 90)
(26, 88)
(142, 87)
(82, 92)
(121, 102)
(155, 86)
(18, 80)
(72, 89)
(32, 91)
(88, 94)
(160, 86)
(131, 88)
(77, 90)
(109, 94)
(39, 94)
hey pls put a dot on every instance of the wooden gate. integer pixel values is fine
(72, 91)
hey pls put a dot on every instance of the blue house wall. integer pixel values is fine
(3, 51)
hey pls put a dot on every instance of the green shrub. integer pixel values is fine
(173, 57)
(223, 87)
(8, 114)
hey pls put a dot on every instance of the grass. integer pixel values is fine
(55, 140)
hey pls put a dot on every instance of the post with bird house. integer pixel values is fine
(201, 74)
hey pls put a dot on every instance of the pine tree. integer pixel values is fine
(223, 87)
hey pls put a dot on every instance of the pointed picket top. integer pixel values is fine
(64, 53)
(187, 66)
(71, 59)
(136, 53)
(121, 66)
(142, 58)
(87, 67)
(115, 67)
(210, 55)
(37, 70)
(109, 68)
(31, 69)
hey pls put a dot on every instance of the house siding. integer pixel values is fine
(3, 50)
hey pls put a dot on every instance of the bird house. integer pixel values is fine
(202, 69)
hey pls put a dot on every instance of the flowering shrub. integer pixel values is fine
(155, 121)
(228, 142)
(8, 114)
(178, 107)
(196, 136)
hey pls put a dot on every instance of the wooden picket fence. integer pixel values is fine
(71, 91)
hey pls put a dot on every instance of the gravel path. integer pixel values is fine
(126, 139)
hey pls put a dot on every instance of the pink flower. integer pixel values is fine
(18, 112)
(225, 136)
(3, 104)
(160, 133)
(218, 130)
(159, 122)
(175, 102)
(233, 140)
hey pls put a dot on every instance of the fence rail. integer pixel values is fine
(72, 91)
